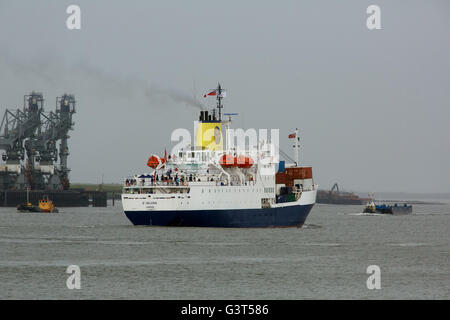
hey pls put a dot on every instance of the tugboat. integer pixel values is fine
(212, 183)
(370, 207)
(46, 205)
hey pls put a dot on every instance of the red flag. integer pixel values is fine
(292, 136)
(212, 93)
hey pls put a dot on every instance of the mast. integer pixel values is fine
(219, 91)
(297, 147)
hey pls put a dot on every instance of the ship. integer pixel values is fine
(395, 209)
(334, 196)
(28, 207)
(46, 205)
(211, 183)
(370, 207)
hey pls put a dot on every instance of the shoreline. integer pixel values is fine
(412, 202)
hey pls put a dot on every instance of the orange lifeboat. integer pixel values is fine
(245, 162)
(228, 161)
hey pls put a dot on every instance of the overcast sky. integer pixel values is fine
(373, 107)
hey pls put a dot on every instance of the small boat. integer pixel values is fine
(46, 205)
(28, 207)
(370, 207)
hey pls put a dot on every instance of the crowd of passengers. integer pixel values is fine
(170, 179)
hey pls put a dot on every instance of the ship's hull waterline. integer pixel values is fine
(288, 216)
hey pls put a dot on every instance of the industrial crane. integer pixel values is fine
(35, 133)
(14, 129)
(42, 148)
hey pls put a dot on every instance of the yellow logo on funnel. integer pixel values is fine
(209, 135)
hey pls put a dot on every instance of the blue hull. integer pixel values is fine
(238, 218)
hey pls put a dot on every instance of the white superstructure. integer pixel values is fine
(183, 185)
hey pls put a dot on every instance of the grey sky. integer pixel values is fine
(373, 106)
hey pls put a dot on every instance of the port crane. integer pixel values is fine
(33, 133)
(335, 186)
(42, 148)
(14, 129)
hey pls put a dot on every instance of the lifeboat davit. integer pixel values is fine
(244, 162)
(228, 161)
(155, 161)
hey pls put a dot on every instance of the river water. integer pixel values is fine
(326, 259)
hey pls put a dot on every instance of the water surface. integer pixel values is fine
(326, 259)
